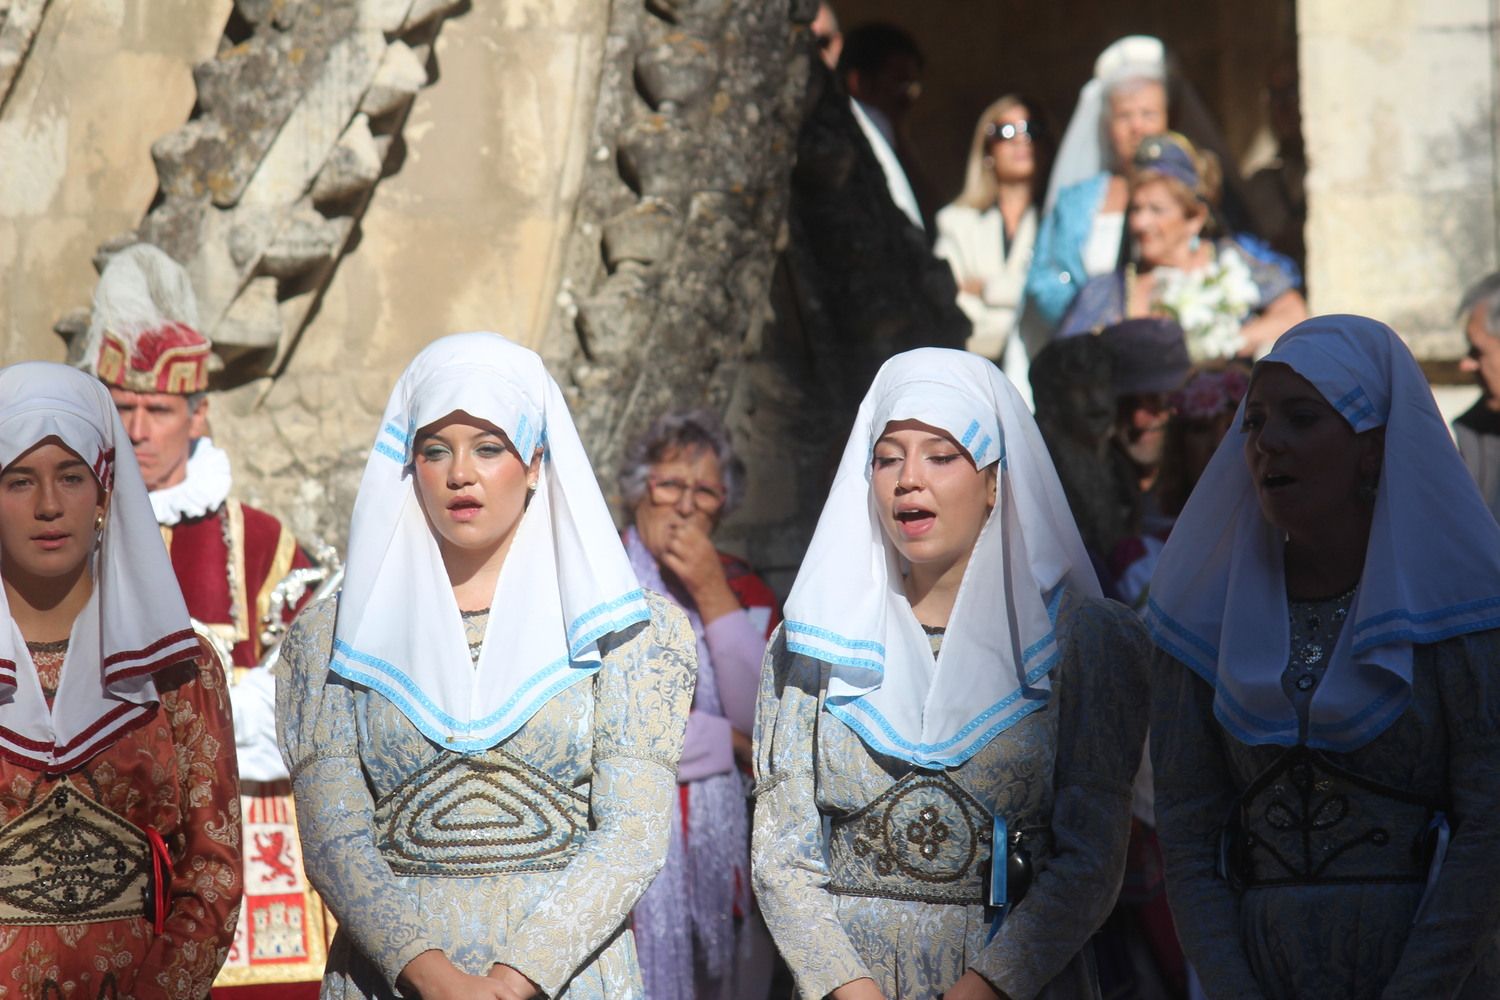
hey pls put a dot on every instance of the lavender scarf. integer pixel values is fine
(705, 874)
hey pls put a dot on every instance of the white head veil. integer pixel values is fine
(566, 582)
(848, 606)
(1084, 150)
(134, 624)
(1432, 566)
(1085, 147)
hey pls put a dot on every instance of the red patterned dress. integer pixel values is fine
(172, 777)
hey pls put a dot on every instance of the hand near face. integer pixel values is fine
(692, 558)
(681, 507)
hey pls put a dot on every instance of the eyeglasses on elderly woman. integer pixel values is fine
(669, 493)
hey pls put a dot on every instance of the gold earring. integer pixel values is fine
(99, 523)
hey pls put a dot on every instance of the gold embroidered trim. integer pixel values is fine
(281, 565)
(69, 860)
(480, 814)
(925, 839)
(234, 539)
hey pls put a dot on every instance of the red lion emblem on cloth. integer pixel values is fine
(272, 852)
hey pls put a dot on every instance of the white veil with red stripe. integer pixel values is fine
(134, 624)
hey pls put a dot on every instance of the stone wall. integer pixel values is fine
(80, 106)
(1399, 111)
(464, 232)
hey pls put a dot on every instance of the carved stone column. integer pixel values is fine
(667, 274)
(261, 190)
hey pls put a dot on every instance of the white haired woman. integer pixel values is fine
(483, 728)
(951, 718)
(1083, 233)
(695, 927)
(1325, 719)
(119, 797)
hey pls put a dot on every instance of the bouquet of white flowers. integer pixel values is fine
(1209, 304)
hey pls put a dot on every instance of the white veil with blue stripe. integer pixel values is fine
(566, 582)
(1432, 565)
(848, 606)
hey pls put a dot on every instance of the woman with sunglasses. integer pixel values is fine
(483, 727)
(951, 717)
(695, 927)
(986, 235)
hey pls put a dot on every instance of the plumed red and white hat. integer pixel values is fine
(143, 335)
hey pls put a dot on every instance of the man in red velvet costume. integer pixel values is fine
(228, 557)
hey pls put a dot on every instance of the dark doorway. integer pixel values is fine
(976, 50)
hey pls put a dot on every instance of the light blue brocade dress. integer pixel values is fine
(865, 865)
(530, 854)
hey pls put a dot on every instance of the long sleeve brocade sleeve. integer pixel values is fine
(1103, 706)
(206, 886)
(641, 705)
(788, 867)
(1462, 916)
(316, 720)
(1195, 792)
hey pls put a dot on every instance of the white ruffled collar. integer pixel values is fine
(205, 489)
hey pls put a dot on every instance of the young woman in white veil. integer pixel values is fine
(950, 717)
(119, 791)
(483, 729)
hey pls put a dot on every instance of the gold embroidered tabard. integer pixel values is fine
(69, 860)
(1305, 820)
(923, 839)
(482, 814)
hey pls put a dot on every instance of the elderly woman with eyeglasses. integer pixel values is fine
(986, 235)
(679, 479)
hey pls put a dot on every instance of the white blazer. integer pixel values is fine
(970, 241)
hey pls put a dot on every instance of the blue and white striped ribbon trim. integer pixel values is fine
(466, 736)
(609, 616)
(1354, 406)
(395, 452)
